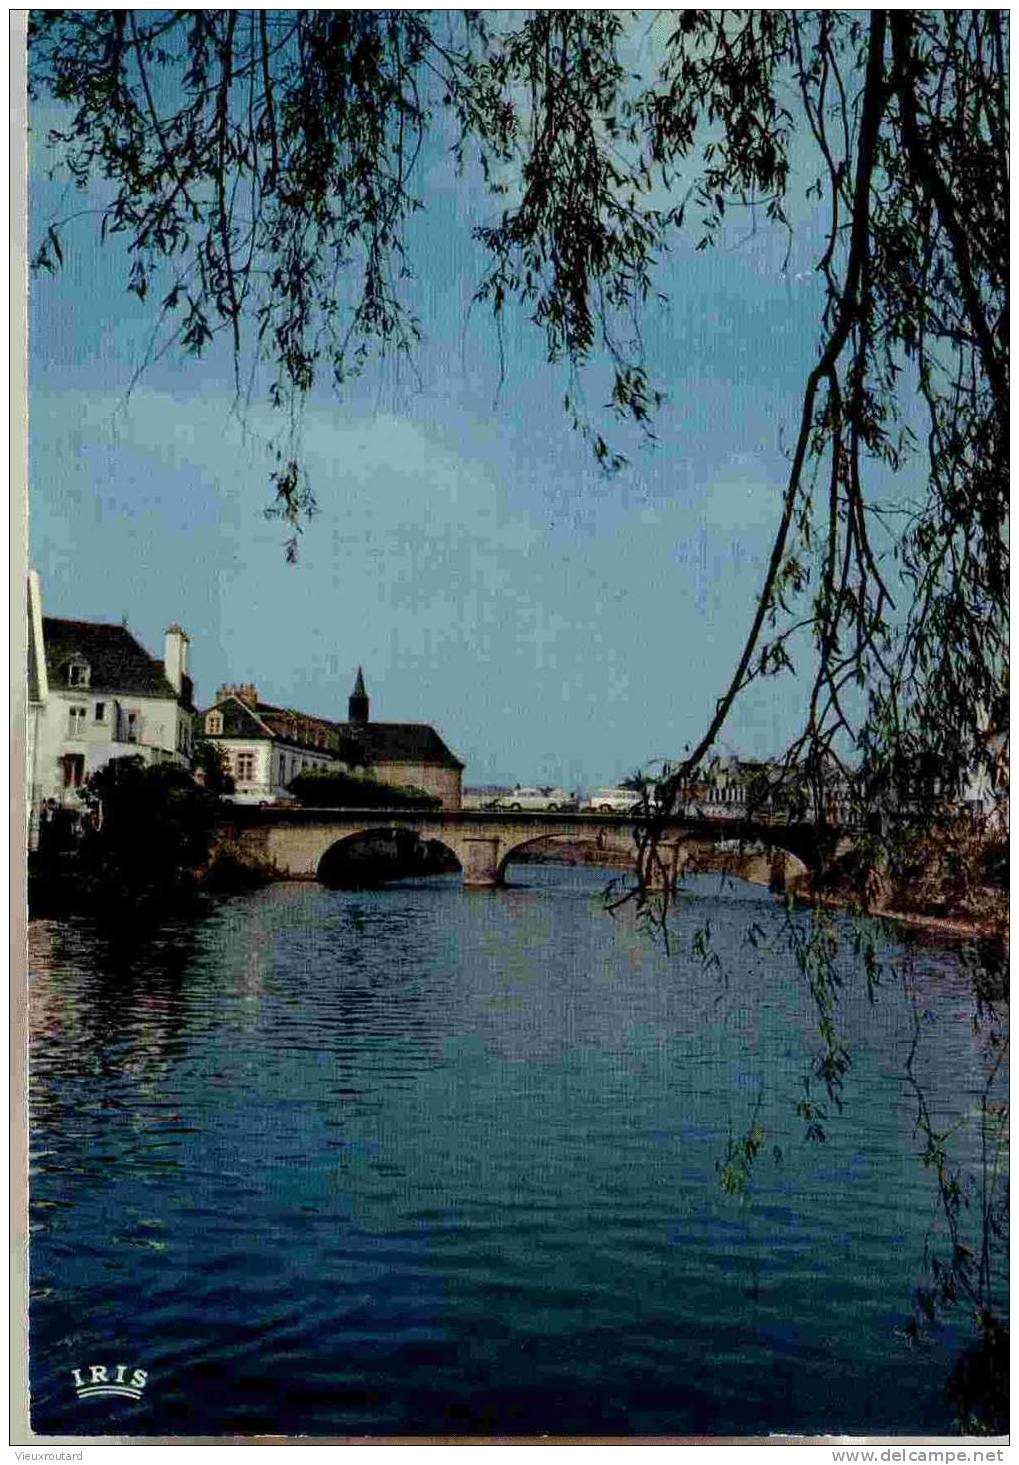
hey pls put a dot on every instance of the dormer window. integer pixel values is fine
(214, 724)
(78, 672)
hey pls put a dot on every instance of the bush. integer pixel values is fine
(343, 791)
(230, 874)
(211, 768)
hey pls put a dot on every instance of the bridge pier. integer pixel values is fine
(667, 870)
(479, 856)
(785, 872)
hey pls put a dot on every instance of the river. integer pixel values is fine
(425, 1161)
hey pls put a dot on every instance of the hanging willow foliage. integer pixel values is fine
(260, 166)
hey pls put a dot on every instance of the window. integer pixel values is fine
(74, 769)
(78, 673)
(245, 767)
(133, 727)
(283, 769)
(214, 724)
(76, 721)
(100, 712)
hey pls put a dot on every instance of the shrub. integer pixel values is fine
(343, 791)
(211, 768)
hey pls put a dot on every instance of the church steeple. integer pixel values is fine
(357, 707)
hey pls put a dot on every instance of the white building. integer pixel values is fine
(265, 746)
(985, 792)
(95, 694)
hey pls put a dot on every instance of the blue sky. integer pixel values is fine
(554, 624)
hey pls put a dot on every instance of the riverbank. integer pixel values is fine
(754, 870)
(63, 887)
(957, 928)
(953, 926)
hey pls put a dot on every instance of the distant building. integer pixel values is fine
(991, 786)
(985, 789)
(403, 752)
(95, 694)
(732, 787)
(266, 747)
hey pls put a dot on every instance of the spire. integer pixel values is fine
(358, 704)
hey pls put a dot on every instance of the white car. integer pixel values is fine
(548, 799)
(613, 801)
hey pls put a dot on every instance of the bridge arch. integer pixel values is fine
(756, 861)
(615, 849)
(375, 855)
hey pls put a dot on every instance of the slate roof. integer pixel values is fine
(400, 742)
(357, 742)
(239, 721)
(265, 722)
(301, 727)
(117, 663)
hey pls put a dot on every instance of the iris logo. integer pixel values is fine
(120, 1380)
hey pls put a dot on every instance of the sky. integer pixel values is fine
(555, 625)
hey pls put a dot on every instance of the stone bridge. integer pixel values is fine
(292, 842)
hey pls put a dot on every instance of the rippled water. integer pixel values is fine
(427, 1161)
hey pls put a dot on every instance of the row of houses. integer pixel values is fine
(728, 786)
(731, 786)
(266, 746)
(96, 694)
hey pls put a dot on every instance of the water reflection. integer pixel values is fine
(421, 1160)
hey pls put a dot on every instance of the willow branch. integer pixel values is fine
(874, 102)
(921, 159)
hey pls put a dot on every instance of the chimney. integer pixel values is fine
(245, 692)
(357, 706)
(175, 657)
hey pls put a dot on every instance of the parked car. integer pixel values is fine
(613, 801)
(551, 800)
